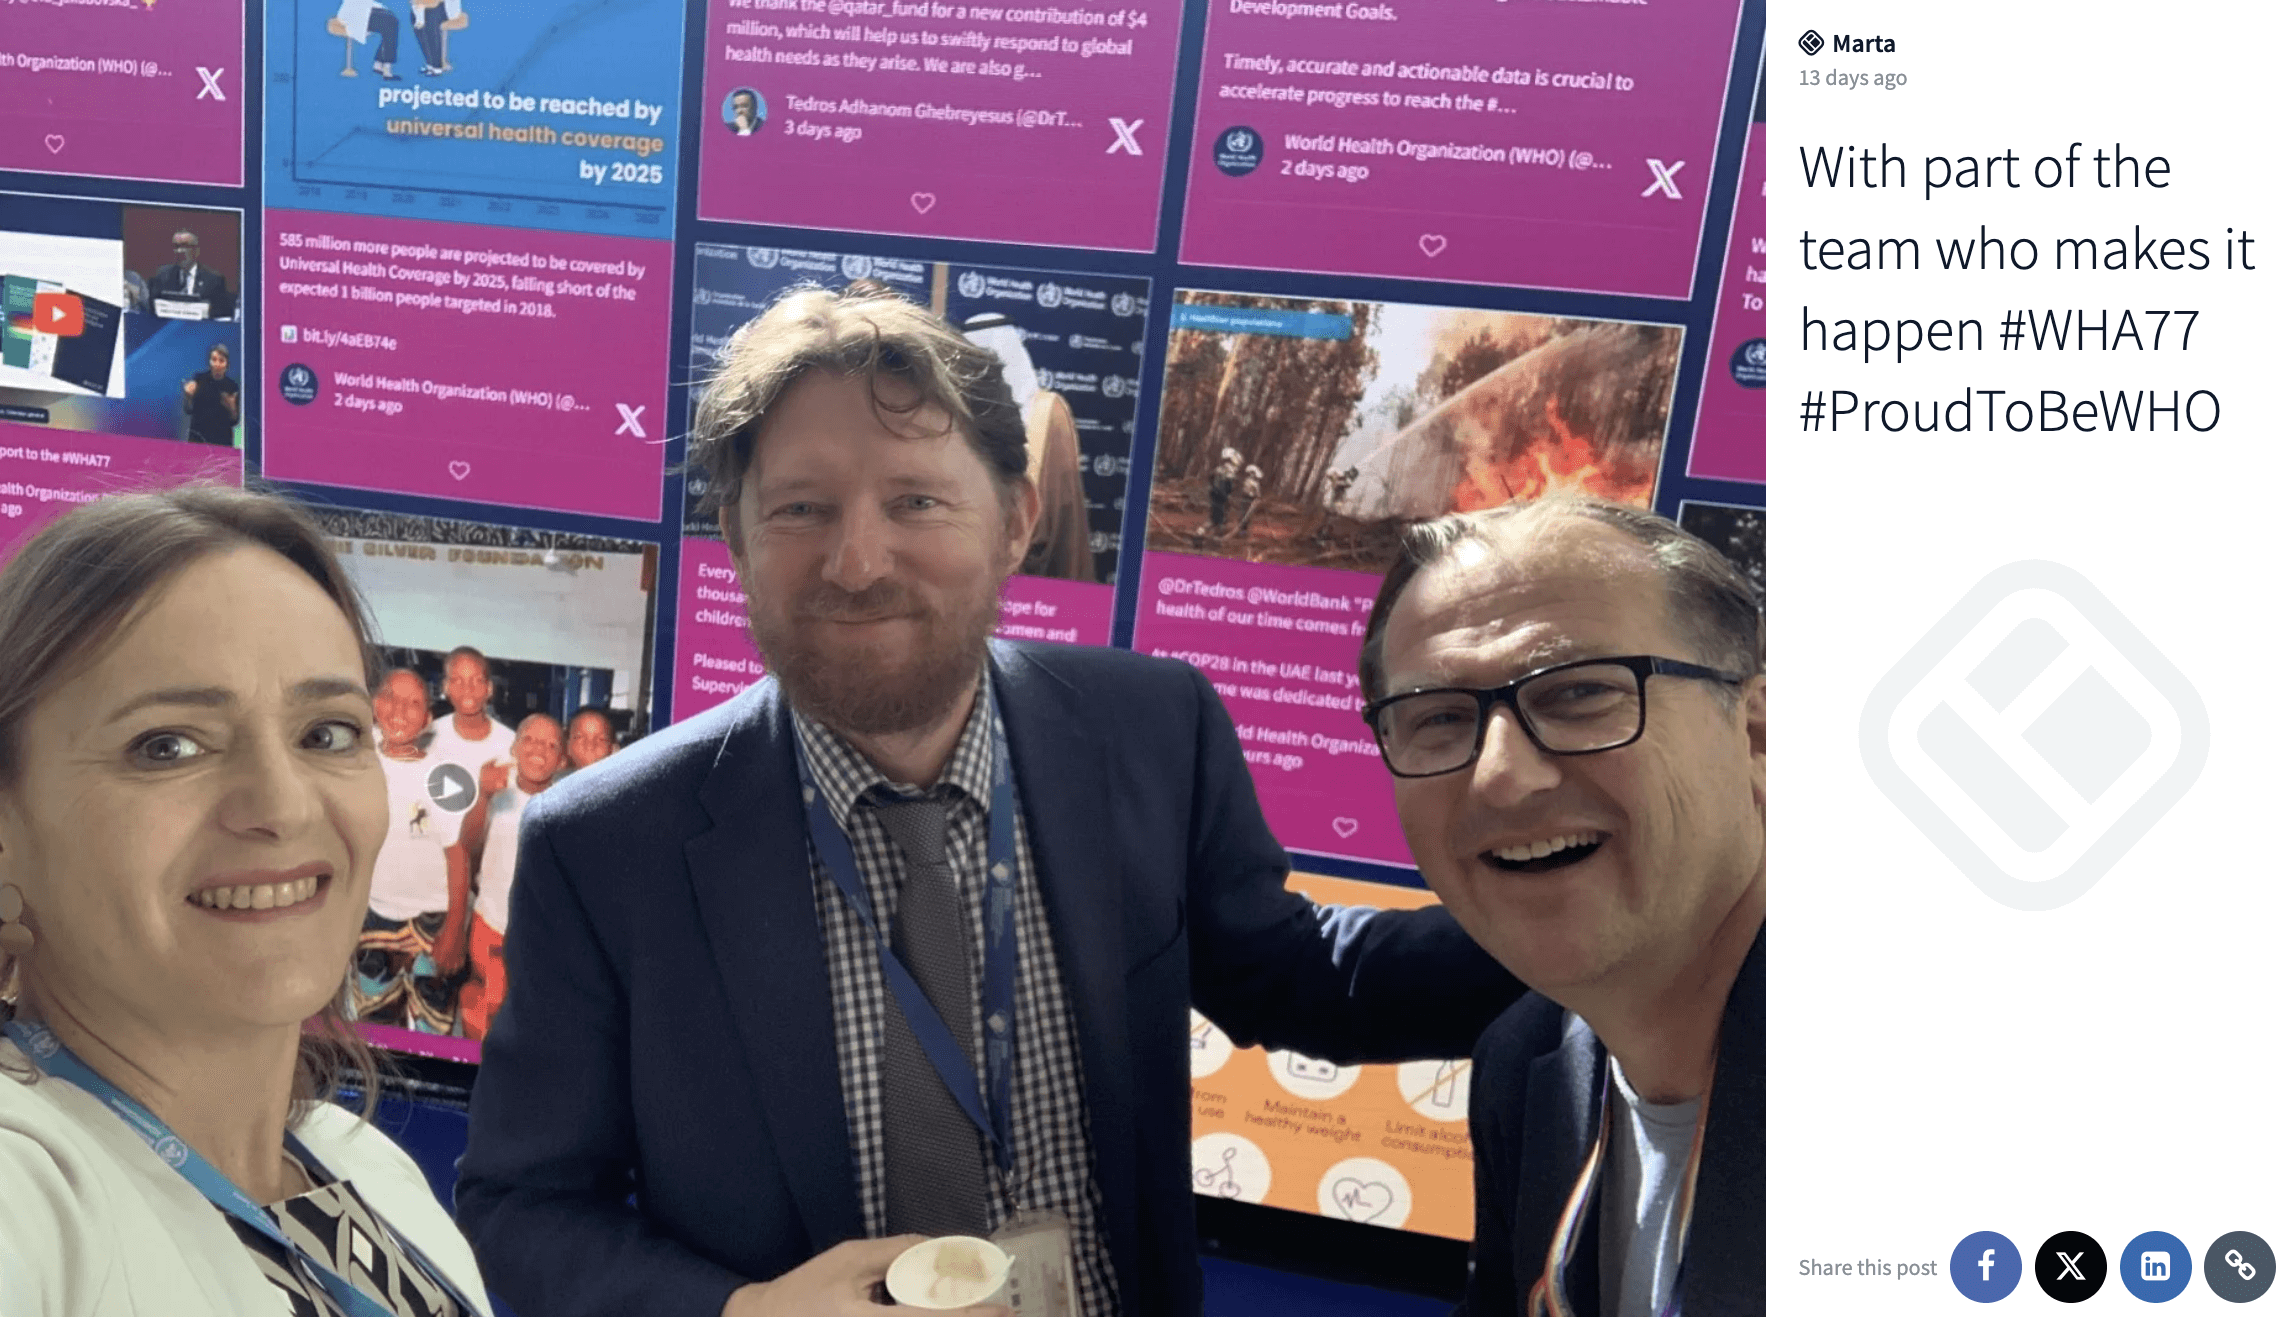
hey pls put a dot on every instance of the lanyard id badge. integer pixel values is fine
(988, 1105)
(1041, 1249)
(48, 1052)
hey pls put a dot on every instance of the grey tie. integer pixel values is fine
(934, 1171)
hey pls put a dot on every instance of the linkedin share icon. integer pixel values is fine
(1985, 1266)
(2154, 1266)
(2071, 1266)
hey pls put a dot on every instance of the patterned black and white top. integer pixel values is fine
(1049, 1125)
(333, 1224)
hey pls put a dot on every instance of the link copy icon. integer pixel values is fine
(2033, 735)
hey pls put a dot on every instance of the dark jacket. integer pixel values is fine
(669, 1032)
(1536, 1079)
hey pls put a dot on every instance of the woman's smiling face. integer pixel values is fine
(195, 821)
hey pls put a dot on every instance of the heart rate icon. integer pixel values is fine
(1345, 827)
(1432, 244)
(458, 469)
(1361, 1200)
(55, 143)
(923, 201)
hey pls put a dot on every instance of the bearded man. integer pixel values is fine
(901, 941)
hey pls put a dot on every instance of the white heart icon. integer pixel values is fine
(923, 201)
(458, 469)
(1345, 827)
(1433, 243)
(1361, 1201)
(55, 143)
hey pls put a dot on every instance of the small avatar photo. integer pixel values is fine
(744, 112)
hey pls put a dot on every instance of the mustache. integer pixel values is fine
(831, 603)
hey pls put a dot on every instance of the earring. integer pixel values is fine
(15, 935)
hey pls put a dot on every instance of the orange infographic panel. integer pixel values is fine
(1380, 1144)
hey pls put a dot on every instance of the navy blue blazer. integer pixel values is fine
(658, 1119)
(1536, 1080)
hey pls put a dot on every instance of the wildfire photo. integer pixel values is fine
(1315, 431)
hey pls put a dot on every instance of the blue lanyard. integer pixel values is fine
(49, 1053)
(999, 990)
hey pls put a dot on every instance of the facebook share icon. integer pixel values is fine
(1985, 1266)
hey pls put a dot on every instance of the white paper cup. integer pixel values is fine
(953, 1271)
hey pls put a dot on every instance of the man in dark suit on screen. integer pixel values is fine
(185, 280)
(901, 941)
(1570, 696)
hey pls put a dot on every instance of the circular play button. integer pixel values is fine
(2071, 1266)
(452, 789)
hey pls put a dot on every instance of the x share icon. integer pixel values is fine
(2074, 1267)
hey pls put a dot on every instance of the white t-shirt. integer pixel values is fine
(409, 873)
(1648, 1152)
(449, 747)
(354, 15)
(500, 862)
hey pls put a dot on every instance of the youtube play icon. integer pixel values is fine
(60, 314)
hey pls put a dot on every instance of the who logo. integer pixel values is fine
(2033, 735)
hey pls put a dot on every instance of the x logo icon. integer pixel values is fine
(212, 84)
(1126, 136)
(629, 424)
(1666, 177)
(2068, 1265)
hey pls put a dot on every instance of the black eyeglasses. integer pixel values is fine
(1577, 708)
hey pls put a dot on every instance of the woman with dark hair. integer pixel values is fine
(211, 400)
(190, 807)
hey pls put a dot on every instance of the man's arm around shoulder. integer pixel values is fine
(1343, 983)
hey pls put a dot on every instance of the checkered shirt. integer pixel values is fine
(1049, 1124)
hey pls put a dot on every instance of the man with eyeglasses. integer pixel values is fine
(1571, 698)
(186, 282)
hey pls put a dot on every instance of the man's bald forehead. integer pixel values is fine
(530, 720)
(1479, 591)
(1558, 538)
(1523, 551)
